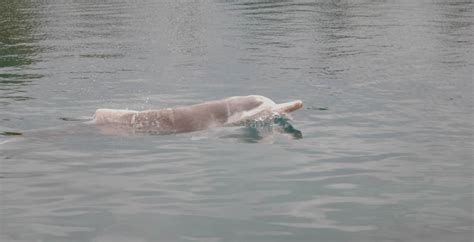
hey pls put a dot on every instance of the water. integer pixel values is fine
(387, 132)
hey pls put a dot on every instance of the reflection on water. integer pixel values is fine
(388, 134)
(264, 130)
(18, 48)
(18, 34)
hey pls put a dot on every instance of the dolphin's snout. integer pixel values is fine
(289, 107)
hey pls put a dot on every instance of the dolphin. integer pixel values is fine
(229, 111)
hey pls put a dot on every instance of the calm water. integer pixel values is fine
(386, 153)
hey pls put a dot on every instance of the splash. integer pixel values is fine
(281, 122)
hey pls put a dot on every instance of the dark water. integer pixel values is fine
(387, 127)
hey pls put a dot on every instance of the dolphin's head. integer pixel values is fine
(255, 106)
(282, 108)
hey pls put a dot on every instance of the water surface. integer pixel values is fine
(386, 153)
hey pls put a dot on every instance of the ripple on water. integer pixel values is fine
(387, 148)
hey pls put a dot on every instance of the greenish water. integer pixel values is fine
(384, 151)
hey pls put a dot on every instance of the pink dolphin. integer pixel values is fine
(224, 112)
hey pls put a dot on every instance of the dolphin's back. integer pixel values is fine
(228, 111)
